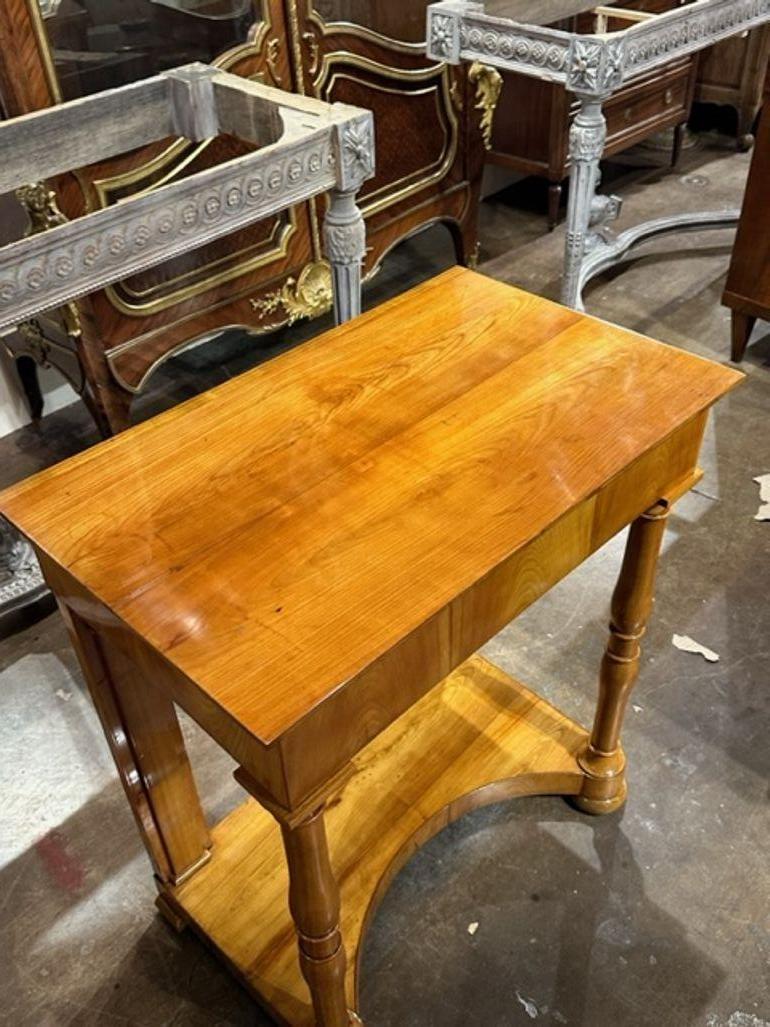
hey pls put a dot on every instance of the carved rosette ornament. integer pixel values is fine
(131, 238)
(357, 147)
(595, 66)
(442, 33)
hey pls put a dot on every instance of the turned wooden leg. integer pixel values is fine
(603, 761)
(314, 902)
(743, 326)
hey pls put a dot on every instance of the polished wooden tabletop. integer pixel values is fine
(274, 536)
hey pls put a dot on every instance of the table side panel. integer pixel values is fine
(352, 716)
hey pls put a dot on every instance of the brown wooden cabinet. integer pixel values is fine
(747, 292)
(533, 119)
(429, 163)
(733, 73)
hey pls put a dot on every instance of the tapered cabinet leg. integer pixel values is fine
(314, 902)
(603, 760)
(26, 368)
(742, 327)
(676, 149)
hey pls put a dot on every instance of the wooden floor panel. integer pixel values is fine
(476, 738)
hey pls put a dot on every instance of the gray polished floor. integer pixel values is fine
(656, 917)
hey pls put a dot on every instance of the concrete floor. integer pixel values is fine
(656, 916)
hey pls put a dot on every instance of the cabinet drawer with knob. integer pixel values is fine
(649, 105)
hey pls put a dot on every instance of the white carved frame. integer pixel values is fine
(306, 147)
(593, 67)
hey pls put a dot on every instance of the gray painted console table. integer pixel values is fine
(511, 34)
(304, 147)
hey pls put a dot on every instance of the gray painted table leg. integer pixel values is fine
(23, 592)
(345, 246)
(586, 145)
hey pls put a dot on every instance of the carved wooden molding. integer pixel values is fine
(459, 30)
(306, 147)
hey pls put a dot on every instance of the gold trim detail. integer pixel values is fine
(41, 206)
(309, 296)
(390, 193)
(42, 209)
(457, 96)
(47, 353)
(44, 46)
(272, 56)
(242, 267)
(299, 87)
(349, 28)
(313, 47)
(489, 84)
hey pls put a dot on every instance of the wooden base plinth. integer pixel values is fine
(477, 738)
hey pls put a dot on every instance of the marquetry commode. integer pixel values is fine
(391, 499)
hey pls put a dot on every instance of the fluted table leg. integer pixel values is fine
(345, 246)
(603, 761)
(586, 146)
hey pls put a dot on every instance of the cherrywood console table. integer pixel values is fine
(625, 45)
(391, 500)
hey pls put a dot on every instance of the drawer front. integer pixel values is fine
(642, 108)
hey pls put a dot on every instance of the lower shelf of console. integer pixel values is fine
(477, 738)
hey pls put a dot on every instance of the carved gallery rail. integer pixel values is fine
(303, 147)
(593, 67)
(326, 640)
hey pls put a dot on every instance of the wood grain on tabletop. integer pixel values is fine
(275, 535)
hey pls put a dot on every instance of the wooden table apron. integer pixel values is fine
(359, 774)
